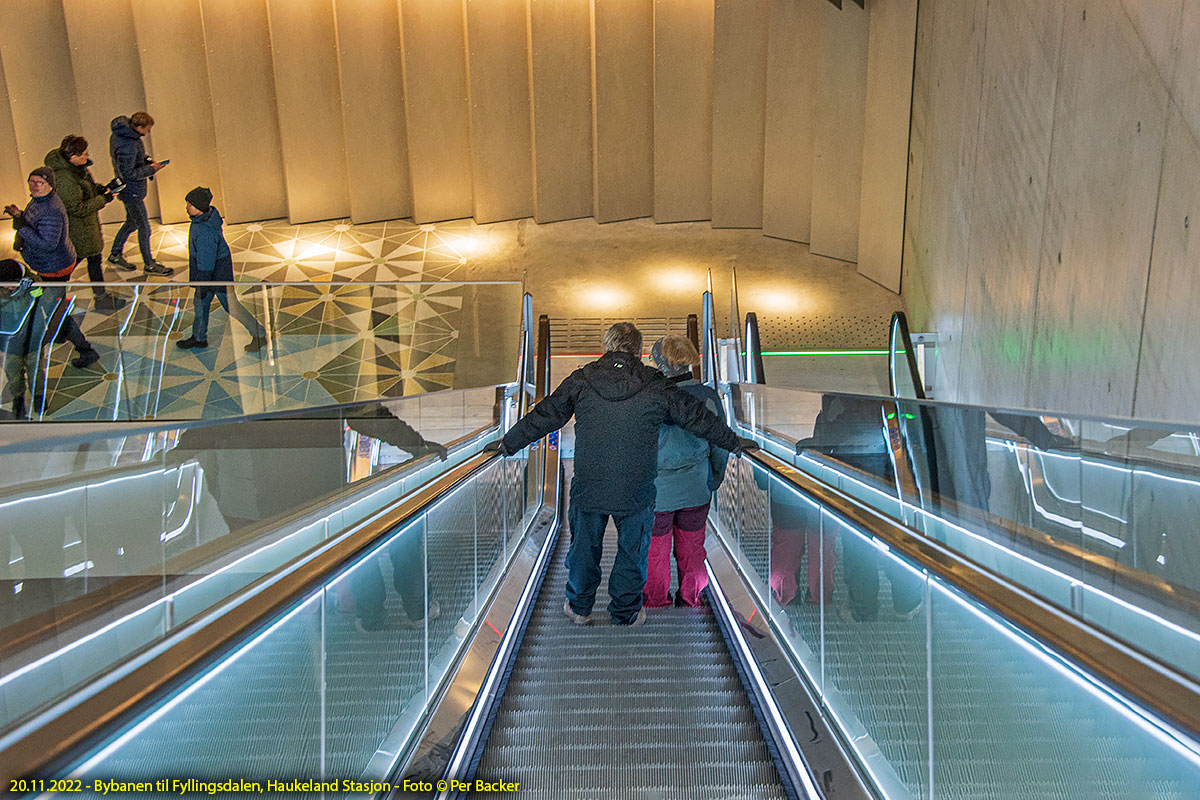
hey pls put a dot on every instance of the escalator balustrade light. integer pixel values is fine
(824, 353)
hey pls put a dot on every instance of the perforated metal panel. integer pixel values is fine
(582, 335)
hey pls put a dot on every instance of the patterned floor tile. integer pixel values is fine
(333, 337)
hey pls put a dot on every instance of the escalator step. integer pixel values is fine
(621, 713)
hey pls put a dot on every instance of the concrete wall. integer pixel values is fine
(1054, 178)
(782, 115)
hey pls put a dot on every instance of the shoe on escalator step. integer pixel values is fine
(578, 619)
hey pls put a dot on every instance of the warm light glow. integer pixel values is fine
(603, 297)
(472, 244)
(679, 278)
(777, 300)
(316, 251)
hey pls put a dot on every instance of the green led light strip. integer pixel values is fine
(825, 352)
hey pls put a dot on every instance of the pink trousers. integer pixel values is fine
(685, 530)
(787, 550)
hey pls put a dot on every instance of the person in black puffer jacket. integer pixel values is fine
(135, 169)
(43, 240)
(619, 405)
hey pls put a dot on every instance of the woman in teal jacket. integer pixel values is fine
(689, 471)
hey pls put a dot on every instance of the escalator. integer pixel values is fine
(583, 701)
(960, 682)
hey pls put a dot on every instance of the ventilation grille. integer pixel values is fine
(583, 335)
(822, 332)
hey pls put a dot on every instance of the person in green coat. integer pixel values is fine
(83, 198)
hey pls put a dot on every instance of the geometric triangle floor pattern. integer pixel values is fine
(333, 339)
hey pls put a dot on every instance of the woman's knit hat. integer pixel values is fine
(45, 173)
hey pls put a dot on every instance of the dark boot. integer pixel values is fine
(106, 303)
(85, 358)
(118, 260)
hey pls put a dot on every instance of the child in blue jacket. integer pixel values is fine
(689, 470)
(210, 260)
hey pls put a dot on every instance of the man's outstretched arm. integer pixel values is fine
(549, 415)
(693, 416)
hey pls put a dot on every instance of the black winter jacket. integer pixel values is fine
(619, 404)
(129, 160)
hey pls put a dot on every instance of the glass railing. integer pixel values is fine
(318, 697)
(113, 540)
(1100, 517)
(288, 346)
(935, 694)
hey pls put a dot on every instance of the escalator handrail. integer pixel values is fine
(49, 738)
(755, 373)
(899, 320)
(28, 632)
(1137, 581)
(140, 427)
(1156, 686)
(542, 384)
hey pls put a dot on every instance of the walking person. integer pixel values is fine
(210, 260)
(619, 404)
(17, 308)
(42, 239)
(690, 469)
(132, 166)
(83, 198)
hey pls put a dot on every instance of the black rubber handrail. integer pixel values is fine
(754, 358)
(899, 320)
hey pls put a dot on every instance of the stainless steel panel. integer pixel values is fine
(171, 43)
(238, 45)
(838, 142)
(308, 99)
(739, 112)
(436, 110)
(623, 108)
(683, 109)
(501, 139)
(560, 67)
(790, 120)
(372, 83)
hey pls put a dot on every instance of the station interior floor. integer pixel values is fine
(584, 275)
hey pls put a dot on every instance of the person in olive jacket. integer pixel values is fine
(83, 199)
(210, 260)
(619, 404)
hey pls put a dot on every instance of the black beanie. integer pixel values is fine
(200, 198)
(45, 173)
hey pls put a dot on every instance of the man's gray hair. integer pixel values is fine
(623, 337)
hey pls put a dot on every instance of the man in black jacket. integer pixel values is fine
(135, 169)
(619, 404)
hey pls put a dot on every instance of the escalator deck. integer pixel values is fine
(655, 711)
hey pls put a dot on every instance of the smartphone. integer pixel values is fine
(165, 161)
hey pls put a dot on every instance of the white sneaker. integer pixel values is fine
(578, 619)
